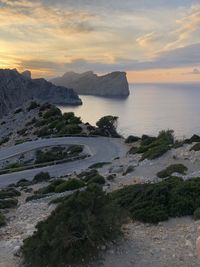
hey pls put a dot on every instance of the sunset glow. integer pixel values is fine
(153, 42)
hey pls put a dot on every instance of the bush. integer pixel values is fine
(2, 220)
(195, 138)
(74, 231)
(71, 184)
(33, 105)
(98, 165)
(9, 193)
(75, 150)
(4, 140)
(52, 112)
(196, 147)
(18, 110)
(71, 129)
(50, 188)
(97, 179)
(41, 177)
(179, 168)
(155, 152)
(157, 202)
(91, 177)
(154, 147)
(8, 203)
(196, 214)
(131, 139)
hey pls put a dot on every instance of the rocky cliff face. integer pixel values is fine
(16, 88)
(114, 84)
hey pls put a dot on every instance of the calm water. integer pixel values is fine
(148, 109)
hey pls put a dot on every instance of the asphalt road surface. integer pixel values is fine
(101, 149)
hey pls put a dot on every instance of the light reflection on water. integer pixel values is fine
(148, 109)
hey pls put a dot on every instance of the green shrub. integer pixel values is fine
(154, 147)
(74, 231)
(195, 138)
(8, 203)
(147, 140)
(91, 177)
(131, 139)
(71, 184)
(75, 150)
(33, 105)
(9, 193)
(18, 110)
(156, 202)
(41, 177)
(97, 179)
(50, 188)
(155, 152)
(4, 140)
(196, 147)
(196, 214)
(98, 165)
(71, 129)
(52, 112)
(179, 168)
(70, 118)
(2, 220)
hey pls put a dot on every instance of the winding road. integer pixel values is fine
(101, 149)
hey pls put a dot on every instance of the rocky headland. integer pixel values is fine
(114, 84)
(16, 89)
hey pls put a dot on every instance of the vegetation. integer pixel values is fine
(9, 193)
(68, 185)
(74, 231)
(8, 203)
(57, 153)
(33, 105)
(195, 138)
(54, 122)
(196, 214)
(92, 176)
(18, 110)
(2, 220)
(196, 147)
(4, 140)
(41, 177)
(154, 147)
(107, 126)
(152, 203)
(131, 139)
(51, 188)
(179, 168)
(98, 165)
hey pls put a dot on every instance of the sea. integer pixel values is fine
(149, 109)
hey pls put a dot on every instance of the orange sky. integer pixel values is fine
(153, 41)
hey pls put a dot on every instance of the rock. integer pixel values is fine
(16, 251)
(16, 89)
(114, 84)
(26, 74)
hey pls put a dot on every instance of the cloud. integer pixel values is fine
(196, 71)
(180, 57)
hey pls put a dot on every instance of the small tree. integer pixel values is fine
(108, 125)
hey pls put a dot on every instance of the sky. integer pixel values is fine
(152, 40)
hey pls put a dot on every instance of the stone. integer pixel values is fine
(17, 89)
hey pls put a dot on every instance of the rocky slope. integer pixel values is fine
(16, 89)
(114, 84)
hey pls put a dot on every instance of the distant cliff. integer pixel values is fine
(114, 84)
(16, 88)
